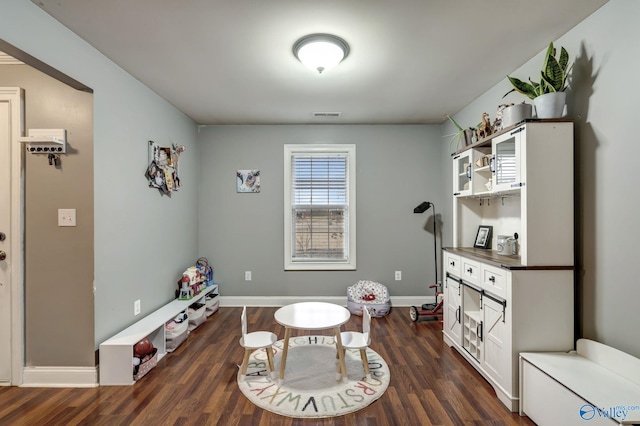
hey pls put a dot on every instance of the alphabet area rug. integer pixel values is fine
(310, 388)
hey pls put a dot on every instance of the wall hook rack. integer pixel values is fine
(45, 141)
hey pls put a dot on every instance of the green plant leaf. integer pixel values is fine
(551, 52)
(564, 60)
(454, 122)
(553, 75)
(510, 91)
(522, 87)
(537, 87)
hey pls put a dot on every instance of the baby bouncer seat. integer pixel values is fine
(371, 295)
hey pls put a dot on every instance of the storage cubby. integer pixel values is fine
(116, 353)
(472, 323)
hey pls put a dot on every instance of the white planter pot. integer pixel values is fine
(550, 105)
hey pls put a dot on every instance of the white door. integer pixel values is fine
(10, 233)
(497, 355)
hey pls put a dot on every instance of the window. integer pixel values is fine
(320, 209)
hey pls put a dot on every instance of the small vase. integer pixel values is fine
(467, 137)
(550, 105)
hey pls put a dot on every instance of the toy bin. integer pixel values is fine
(176, 332)
(196, 315)
(212, 302)
(141, 370)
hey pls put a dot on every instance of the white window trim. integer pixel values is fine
(350, 263)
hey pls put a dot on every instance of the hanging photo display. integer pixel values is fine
(162, 171)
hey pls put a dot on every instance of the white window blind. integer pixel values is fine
(319, 185)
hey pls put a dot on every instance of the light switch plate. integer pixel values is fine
(66, 217)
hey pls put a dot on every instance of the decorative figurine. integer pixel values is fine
(484, 129)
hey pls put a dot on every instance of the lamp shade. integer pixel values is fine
(423, 207)
(321, 52)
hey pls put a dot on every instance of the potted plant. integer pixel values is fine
(462, 135)
(549, 94)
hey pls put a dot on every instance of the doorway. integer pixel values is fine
(11, 236)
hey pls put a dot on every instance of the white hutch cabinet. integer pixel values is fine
(496, 305)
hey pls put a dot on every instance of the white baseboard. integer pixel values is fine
(60, 377)
(274, 301)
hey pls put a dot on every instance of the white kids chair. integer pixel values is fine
(357, 340)
(256, 340)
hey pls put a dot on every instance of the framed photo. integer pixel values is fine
(483, 237)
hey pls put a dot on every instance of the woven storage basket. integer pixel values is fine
(146, 366)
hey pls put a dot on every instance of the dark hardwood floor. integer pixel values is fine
(196, 384)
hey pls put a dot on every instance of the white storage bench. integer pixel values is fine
(116, 353)
(595, 385)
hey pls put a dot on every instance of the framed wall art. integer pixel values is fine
(248, 181)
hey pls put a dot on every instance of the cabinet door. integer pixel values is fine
(497, 357)
(452, 304)
(462, 167)
(506, 160)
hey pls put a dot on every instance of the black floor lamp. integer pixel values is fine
(429, 310)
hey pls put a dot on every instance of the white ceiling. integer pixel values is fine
(230, 61)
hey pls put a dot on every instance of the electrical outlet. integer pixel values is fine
(247, 275)
(398, 275)
(136, 307)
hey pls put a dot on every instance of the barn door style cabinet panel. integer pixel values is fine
(498, 302)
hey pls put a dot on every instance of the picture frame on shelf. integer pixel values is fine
(483, 237)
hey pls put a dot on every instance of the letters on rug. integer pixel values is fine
(310, 388)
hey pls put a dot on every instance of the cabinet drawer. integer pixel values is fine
(494, 280)
(470, 270)
(452, 264)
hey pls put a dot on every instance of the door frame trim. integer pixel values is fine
(15, 97)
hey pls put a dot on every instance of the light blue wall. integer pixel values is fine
(398, 167)
(143, 241)
(602, 103)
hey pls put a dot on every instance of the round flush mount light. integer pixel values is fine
(320, 52)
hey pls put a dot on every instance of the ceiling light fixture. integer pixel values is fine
(320, 52)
